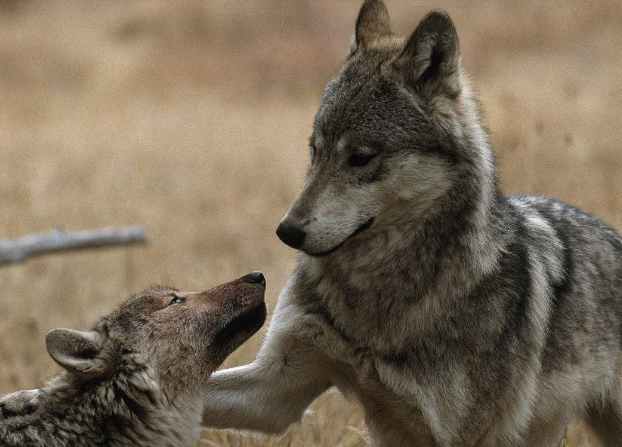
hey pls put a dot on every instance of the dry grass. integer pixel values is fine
(191, 118)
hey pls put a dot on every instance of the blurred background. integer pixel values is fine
(191, 118)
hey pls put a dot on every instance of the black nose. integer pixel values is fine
(257, 277)
(291, 236)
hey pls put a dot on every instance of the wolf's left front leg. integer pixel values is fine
(274, 391)
(266, 396)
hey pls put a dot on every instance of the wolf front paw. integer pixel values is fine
(20, 403)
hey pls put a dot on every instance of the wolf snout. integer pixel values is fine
(256, 277)
(290, 235)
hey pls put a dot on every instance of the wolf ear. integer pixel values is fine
(372, 23)
(76, 351)
(431, 59)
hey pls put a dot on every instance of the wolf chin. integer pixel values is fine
(455, 315)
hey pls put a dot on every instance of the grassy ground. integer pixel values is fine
(192, 118)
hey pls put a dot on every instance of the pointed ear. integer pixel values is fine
(76, 351)
(431, 59)
(373, 23)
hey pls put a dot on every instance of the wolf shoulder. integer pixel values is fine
(579, 260)
(585, 238)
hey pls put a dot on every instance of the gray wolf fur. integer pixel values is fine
(455, 315)
(136, 378)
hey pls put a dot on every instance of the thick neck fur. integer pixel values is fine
(427, 260)
(127, 409)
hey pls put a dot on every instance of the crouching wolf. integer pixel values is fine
(455, 315)
(136, 378)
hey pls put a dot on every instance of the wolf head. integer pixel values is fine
(385, 148)
(181, 337)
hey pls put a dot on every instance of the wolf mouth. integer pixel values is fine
(359, 230)
(247, 323)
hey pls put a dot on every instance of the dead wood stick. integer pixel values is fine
(18, 250)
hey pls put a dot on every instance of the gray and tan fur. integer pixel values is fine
(455, 315)
(136, 378)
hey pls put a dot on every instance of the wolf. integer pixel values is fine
(455, 315)
(136, 378)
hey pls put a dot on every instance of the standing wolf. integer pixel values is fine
(455, 315)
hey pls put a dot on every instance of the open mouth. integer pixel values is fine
(359, 230)
(246, 323)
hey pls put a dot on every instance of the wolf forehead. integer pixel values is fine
(139, 307)
(150, 297)
(369, 102)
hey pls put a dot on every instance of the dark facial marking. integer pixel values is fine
(361, 160)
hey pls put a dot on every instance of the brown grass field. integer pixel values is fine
(192, 117)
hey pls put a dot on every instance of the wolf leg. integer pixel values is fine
(18, 403)
(261, 396)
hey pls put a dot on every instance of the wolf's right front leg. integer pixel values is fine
(19, 403)
(263, 396)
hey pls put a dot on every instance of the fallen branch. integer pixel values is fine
(17, 250)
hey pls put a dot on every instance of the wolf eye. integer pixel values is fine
(177, 300)
(358, 160)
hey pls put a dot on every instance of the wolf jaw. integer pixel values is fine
(356, 232)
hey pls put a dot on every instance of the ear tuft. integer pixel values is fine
(76, 351)
(373, 23)
(431, 58)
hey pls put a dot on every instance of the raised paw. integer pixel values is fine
(20, 403)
